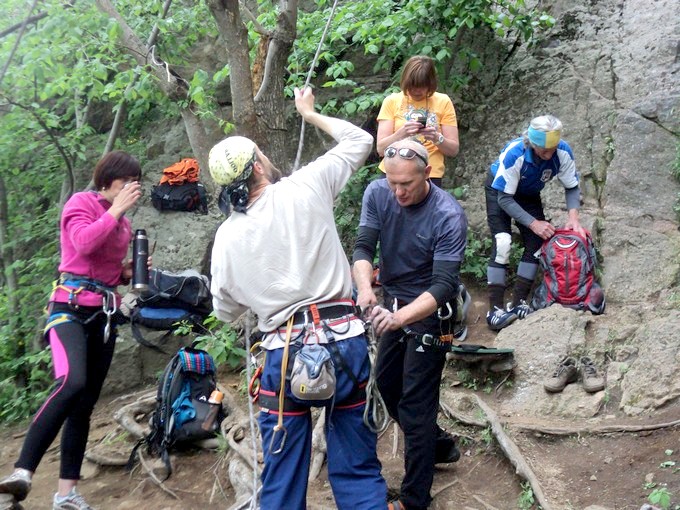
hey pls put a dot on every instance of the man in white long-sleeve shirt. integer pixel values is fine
(279, 254)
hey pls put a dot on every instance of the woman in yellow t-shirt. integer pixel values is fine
(421, 113)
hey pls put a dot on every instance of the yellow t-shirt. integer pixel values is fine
(439, 111)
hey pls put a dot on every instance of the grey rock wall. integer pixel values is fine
(609, 71)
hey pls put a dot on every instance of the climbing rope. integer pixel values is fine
(251, 412)
(376, 417)
(309, 79)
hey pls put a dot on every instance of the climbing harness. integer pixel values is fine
(74, 285)
(309, 78)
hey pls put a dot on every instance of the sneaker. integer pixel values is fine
(72, 501)
(18, 484)
(564, 374)
(521, 310)
(395, 505)
(592, 382)
(499, 319)
(446, 450)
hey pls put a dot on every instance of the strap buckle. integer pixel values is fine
(427, 339)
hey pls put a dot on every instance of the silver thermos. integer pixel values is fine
(140, 258)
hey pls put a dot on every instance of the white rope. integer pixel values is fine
(309, 78)
(251, 412)
(376, 417)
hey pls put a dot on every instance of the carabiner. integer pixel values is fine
(283, 440)
(254, 384)
(442, 317)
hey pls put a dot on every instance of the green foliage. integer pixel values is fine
(393, 31)
(526, 498)
(476, 255)
(221, 341)
(660, 497)
(348, 206)
(14, 404)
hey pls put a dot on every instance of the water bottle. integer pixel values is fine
(140, 258)
(215, 402)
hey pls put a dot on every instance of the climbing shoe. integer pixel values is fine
(500, 319)
(565, 373)
(592, 381)
(521, 310)
(72, 501)
(18, 484)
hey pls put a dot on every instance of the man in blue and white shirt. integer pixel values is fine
(513, 191)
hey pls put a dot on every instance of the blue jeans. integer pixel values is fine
(353, 466)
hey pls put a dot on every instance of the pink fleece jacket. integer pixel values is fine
(93, 244)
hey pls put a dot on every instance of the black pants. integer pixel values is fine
(500, 221)
(408, 376)
(81, 361)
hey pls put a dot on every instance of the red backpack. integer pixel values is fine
(568, 261)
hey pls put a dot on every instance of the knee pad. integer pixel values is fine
(503, 242)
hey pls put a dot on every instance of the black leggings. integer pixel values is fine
(500, 221)
(81, 360)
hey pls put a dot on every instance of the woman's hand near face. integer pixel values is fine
(125, 199)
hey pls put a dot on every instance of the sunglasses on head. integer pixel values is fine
(404, 153)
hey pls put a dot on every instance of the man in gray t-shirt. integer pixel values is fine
(421, 230)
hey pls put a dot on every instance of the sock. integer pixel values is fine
(496, 296)
(521, 290)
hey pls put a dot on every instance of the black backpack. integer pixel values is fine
(189, 196)
(171, 298)
(181, 405)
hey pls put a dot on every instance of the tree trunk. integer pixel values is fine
(10, 275)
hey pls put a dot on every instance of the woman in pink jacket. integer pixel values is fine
(81, 329)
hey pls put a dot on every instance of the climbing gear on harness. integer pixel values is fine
(282, 392)
(74, 285)
(313, 375)
(376, 417)
(443, 342)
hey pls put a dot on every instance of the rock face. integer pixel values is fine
(609, 71)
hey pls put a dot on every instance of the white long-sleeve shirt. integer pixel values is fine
(285, 253)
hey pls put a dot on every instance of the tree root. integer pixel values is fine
(318, 447)
(556, 430)
(153, 477)
(513, 454)
(125, 416)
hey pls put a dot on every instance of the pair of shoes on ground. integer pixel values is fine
(500, 318)
(567, 372)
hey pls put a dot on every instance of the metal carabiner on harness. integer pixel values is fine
(110, 307)
(445, 317)
(276, 429)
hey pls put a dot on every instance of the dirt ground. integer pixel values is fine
(617, 471)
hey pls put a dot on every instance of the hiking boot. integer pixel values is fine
(592, 382)
(72, 501)
(446, 450)
(500, 319)
(521, 310)
(18, 484)
(564, 374)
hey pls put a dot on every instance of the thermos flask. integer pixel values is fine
(140, 257)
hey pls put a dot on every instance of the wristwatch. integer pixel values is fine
(440, 140)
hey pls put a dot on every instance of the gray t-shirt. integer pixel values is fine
(412, 238)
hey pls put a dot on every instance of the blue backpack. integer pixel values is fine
(181, 405)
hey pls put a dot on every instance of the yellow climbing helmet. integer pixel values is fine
(230, 158)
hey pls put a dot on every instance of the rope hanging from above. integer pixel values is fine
(296, 165)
